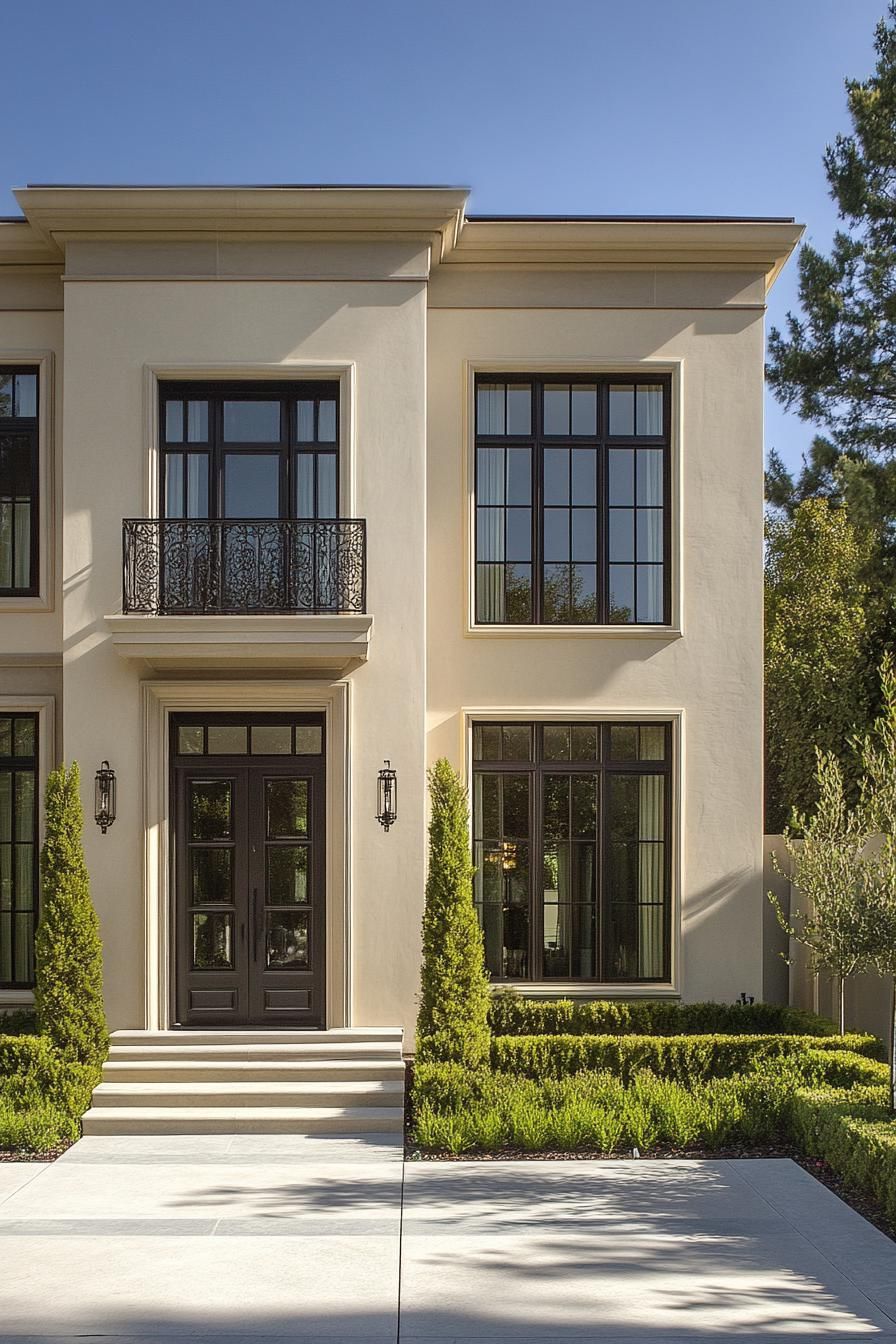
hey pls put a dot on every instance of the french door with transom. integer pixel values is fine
(249, 832)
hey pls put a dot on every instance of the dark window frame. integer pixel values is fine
(27, 426)
(289, 446)
(14, 765)
(536, 441)
(536, 767)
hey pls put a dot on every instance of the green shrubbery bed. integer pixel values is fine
(685, 1059)
(457, 1112)
(41, 1094)
(854, 1131)
(512, 1015)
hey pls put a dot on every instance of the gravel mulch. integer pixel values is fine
(50, 1156)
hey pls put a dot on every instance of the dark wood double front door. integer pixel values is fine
(249, 871)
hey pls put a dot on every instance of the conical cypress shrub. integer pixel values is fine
(452, 1024)
(68, 991)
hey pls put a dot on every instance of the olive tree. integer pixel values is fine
(836, 880)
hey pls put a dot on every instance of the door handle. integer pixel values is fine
(254, 923)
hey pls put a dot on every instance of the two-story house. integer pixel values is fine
(297, 480)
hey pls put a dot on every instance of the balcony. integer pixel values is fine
(244, 592)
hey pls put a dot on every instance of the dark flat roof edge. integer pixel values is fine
(243, 186)
(631, 219)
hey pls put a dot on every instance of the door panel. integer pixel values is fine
(249, 880)
(211, 879)
(287, 885)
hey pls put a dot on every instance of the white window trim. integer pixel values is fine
(305, 370)
(670, 988)
(44, 706)
(161, 699)
(657, 633)
(43, 361)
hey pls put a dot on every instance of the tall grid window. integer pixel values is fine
(572, 500)
(18, 849)
(18, 481)
(571, 840)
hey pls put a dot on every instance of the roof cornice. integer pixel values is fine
(55, 215)
(578, 244)
(431, 214)
(21, 245)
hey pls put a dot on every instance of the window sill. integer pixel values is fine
(25, 603)
(659, 633)
(578, 989)
(16, 998)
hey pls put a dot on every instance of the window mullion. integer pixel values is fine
(538, 505)
(536, 869)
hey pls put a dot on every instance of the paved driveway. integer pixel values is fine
(228, 1238)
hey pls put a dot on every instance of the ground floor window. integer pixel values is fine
(18, 849)
(571, 840)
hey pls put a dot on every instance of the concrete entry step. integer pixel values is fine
(253, 1070)
(243, 1120)
(256, 1036)
(301, 1094)
(348, 1080)
(317, 1050)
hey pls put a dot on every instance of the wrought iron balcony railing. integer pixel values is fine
(237, 566)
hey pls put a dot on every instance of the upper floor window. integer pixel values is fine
(18, 849)
(250, 450)
(572, 499)
(19, 459)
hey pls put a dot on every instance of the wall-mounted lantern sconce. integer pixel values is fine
(104, 797)
(387, 796)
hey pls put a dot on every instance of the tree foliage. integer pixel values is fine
(816, 651)
(835, 363)
(68, 952)
(835, 881)
(452, 1024)
(878, 801)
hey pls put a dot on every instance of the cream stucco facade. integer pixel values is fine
(399, 301)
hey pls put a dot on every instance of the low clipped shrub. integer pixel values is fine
(684, 1059)
(593, 1111)
(510, 1014)
(853, 1130)
(42, 1095)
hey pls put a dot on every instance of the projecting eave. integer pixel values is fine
(431, 214)
(21, 245)
(576, 244)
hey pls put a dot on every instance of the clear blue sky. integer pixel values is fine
(576, 106)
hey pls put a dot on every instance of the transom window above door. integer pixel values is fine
(572, 499)
(250, 450)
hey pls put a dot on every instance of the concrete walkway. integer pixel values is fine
(275, 1237)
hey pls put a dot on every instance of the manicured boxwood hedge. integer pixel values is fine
(512, 1015)
(41, 1094)
(853, 1130)
(682, 1058)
